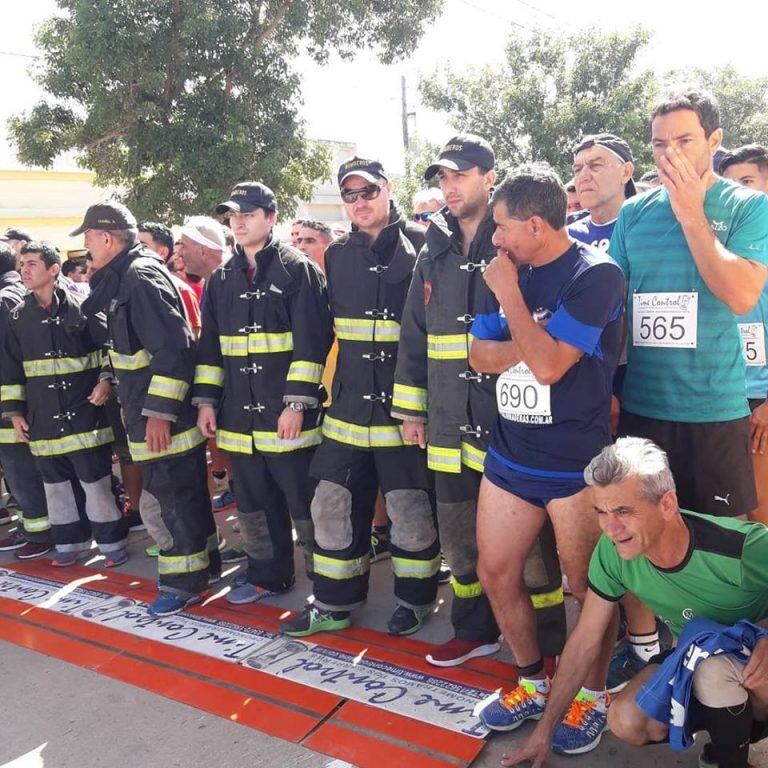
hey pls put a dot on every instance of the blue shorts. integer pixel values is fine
(533, 489)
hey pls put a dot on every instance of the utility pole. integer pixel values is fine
(406, 142)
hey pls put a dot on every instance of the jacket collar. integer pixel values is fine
(269, 264)
(443, 234)
(12, 277)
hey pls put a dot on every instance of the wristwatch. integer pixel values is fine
(298, 407)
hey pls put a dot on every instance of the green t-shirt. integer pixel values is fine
(724, 575)
(700, 383)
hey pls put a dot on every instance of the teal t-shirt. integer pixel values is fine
(755, 347)
(704, 381)
(723, 575)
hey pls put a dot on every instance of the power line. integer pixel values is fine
(20, 55)
(537, 9)
(494, 14)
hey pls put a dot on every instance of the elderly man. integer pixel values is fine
(683, 565)
(203, 246)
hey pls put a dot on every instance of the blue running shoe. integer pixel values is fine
(167, 604)
(625, 664)
(511, 711)
(582, 728)
(245, 593)
(224, 502)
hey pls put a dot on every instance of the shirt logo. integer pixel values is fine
(718, 226)
(541, 317)
(688, 614)
(724, 499)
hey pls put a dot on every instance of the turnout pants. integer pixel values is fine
(176, 508)
(272, 490)
(471, 613)
(24, 477)
(78, 491)
(342, 512)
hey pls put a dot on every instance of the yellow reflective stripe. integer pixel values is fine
(167, 564)
(255, 343)
(467, 591)
(406, 568)
(8, 436)
(332, 568)
(134, 362)
(303, 370)
(548, 599)
(71, 443)
(180, 443)
(235, 442)
(163, 386)
(357, 329)
(13, 392)
(472, 457)
(447, 346)
(269, 442)
(209, 374)
(410, 398)
(62, 365)
(37, 524)
(362, 437)
(443, 459)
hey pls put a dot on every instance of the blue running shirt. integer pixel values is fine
(554, 431)
(597, 235)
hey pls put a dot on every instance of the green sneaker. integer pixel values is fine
(312, 620)
(153, 551)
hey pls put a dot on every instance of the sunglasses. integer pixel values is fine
(423, 216)
(371, 192)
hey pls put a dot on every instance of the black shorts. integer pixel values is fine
(711, 462)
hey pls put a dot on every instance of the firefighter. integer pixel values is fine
(266, 334)
(450, 409)
(53, 391)
(152, 351)
(34, 538)
(368, 274)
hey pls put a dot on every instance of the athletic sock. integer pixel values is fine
(729, 729)
(600, 697)
(541, 684)
(645, 646)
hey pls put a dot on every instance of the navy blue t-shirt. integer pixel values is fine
(597, 235)
(554, 431)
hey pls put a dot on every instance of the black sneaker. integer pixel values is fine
(313, 619)
(379, 547)
(406, 621)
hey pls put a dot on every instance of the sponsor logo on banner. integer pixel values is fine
(388, 686)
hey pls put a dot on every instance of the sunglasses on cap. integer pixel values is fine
(369, 192)
(423, 216)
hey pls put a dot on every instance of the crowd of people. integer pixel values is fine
(520, 385)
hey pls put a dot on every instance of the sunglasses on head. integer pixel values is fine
(423, 216)
(370, 192)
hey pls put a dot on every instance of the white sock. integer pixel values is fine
(645, 646)
(540, 684)
(600, 696)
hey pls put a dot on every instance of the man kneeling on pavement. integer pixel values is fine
(705, 577)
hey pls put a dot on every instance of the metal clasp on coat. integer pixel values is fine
(382, 398)
(258, 407)
(68, 415)
(60, 385)
(469, 376)
(52, 320)
(379, 268)
(54, 353)
(257, 294)
(377, 314)
(466, 319)
(471, 266)
(468, 429)
(251, 368)
(250, 328)
(375, 357)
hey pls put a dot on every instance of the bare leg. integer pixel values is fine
(627, 721)
(760, 466)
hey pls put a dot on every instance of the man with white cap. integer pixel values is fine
(203, 246)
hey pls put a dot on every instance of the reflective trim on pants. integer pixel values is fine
(333, 568)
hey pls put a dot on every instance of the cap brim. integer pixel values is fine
(451, 165)
(630, 190)
(79, 230)
(369, 177)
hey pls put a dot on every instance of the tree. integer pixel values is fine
(176, 100)
(417, 159)
(551, 90)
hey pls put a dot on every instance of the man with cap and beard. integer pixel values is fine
(368, 274)
(266, 334)
(152, 351)
(449, 409)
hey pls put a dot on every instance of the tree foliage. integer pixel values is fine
(551, 90)
(176, 100)
(419, 156)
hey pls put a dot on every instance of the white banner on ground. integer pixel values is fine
(388, 686)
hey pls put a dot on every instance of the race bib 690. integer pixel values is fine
(520, 397)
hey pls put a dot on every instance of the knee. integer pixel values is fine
(628, 723)
(413, 524)
(717, 682)
(497, 574)
(332, 516)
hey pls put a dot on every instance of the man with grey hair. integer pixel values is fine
(152, 351)
(203, 245)
(425, 203)
(683, 565)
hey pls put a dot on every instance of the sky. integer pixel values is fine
(359, 101)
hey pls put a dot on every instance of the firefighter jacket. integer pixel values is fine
(434, 382)
(264, 343)
(367, 287)
(151, 349)
(12, 293)
(52, 360)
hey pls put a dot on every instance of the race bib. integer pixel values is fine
(753, 343)
(665, 320)
(520, 397)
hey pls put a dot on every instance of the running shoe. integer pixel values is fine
(523, 703)
(113, 559)
(5, 516)
(153, 550)
(15, 541)
(313, 619)
(224, 502)
(625, 664)
(582, 728)
(457, 651)
(235, 554)
(64, 559)
(32, 549)
(444, 574)
(379, 547)
(169, 603)
(406, 621)
(249, 593)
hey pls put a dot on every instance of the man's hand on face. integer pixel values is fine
(686, 188)
(501, 273)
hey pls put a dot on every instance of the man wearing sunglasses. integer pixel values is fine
(368, 273)
(450, 409)
(425, 203)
